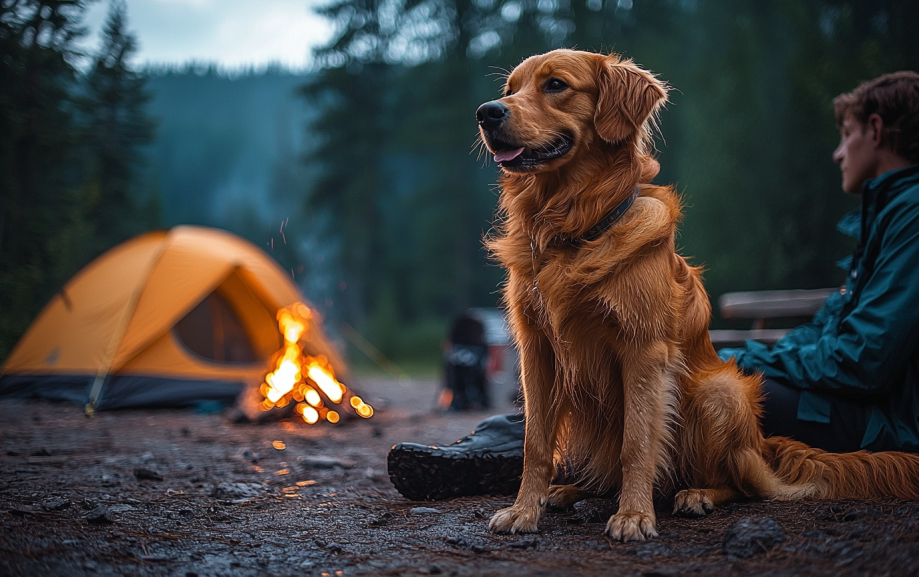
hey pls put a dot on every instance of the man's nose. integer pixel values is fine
(838, 154)
(491, 114)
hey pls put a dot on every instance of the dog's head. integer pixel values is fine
(562, 104)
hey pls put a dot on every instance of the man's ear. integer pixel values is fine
(875, 124)
(628, 97)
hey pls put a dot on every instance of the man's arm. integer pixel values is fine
(873, 341)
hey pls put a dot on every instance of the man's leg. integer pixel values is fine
(843, 434)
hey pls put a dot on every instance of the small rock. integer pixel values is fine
(224, 490)
(147, 457)
(100, 516)
(325, 462)
(251, 456)
(12, 453)
(307, 565)
(145, 474)
(434, 570)
(56, 504)
(752, 536)
(334, 547)
(43, 452)
(382, 520)
(418, 511)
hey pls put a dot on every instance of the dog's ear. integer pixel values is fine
(628, 97)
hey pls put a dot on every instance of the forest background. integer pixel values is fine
(359, 176)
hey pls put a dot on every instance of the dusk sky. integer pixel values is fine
(232, 33)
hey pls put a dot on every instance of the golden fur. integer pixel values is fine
(619, 376)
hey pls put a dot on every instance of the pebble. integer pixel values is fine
(56, 504)
(382, 520)
(325, 462)
(145, 474)
(417, 511)
(100, 516)
(236, 490)
(751, 536)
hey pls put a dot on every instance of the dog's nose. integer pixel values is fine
(491, 114)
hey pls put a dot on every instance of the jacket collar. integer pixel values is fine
(892, 182)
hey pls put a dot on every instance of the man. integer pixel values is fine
(849, 380)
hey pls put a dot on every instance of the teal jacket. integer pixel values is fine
(863, 345)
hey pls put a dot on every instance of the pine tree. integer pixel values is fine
(38, 149)
(116, 128)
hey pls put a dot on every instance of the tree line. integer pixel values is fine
(70, 146)
(387, 198)
(747, 138)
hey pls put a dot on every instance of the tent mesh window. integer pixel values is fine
(213, 331)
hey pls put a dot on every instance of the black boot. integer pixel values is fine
(489, 461)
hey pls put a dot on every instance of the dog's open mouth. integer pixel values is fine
(512, 156)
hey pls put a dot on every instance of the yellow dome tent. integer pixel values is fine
(164, 319)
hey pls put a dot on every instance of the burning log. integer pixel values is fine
(304, 379)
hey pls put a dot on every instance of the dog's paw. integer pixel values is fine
(564, 496)
(693, 503)
(628, 526)
(516, 519)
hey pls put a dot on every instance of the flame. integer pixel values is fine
(297, 376)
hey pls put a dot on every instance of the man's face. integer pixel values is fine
(857, 154)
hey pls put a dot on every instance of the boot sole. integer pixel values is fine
(422, 474)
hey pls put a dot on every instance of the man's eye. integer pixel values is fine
(555, 85)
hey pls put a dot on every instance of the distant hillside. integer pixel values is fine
(228, 153)
(220, 139)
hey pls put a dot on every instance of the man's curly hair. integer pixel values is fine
(895, 98)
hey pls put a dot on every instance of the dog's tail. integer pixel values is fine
(860, 475)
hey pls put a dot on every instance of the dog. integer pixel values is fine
(621, 382)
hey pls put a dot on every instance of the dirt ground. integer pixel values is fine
(175, 492)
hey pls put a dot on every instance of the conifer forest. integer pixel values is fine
(361, 175)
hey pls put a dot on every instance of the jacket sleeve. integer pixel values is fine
(873, 342)
(802, 335)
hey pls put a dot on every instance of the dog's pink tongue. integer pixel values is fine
(504, 155)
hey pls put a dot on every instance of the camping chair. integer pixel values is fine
(789, 305)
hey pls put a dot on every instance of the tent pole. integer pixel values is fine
(109, 358)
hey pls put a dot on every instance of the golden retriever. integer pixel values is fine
(620, 379)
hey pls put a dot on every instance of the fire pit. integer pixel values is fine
(307, 379)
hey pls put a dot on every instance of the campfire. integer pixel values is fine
(304, 379)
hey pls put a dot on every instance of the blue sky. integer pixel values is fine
(233, 33)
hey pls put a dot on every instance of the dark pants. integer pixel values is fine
(843, 434)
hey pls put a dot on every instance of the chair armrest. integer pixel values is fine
(773, 304)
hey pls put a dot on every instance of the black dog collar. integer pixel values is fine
(597, 231)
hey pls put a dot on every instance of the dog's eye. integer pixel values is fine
(555, 85)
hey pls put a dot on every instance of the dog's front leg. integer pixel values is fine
(537, 376)
(649, 389)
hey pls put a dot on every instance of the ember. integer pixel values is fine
(300, 378)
